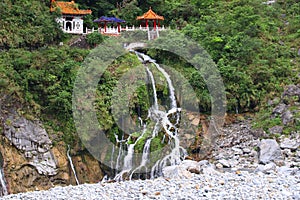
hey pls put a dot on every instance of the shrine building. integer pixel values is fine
(71, 20)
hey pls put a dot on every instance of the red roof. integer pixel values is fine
(150, 15)
(69, 8)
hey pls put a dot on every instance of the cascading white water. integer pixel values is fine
(161, 118)
(121, 151)
(146, 150)
(153, 87)
(170, 84)
(2, 182)
(127, 166)
(71, 164)
(112, 157)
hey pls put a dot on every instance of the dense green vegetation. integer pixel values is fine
(254, 45)
(27, 24)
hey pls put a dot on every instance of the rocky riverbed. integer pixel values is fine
(209, 184)
(242, 165)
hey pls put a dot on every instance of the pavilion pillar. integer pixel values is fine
(158, 25)
(154, 24)
(104, 27)
(146, 23)
(119, 28)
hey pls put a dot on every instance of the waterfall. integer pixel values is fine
(112, 157)
(2, 182)
(162, 120)
(128, 158)
(120, 153)
(146, 150)
(171, 87)
(153, 87)
(71, 164)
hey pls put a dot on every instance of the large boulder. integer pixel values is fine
(32, 139)
(269, 150)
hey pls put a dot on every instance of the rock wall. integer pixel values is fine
(31, 162)
(33, 141)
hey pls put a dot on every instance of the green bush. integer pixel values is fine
(94, 38)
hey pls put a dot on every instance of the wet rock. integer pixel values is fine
(269, 150)
(289, 144)
(276, 130)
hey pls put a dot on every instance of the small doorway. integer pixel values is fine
(69, 26)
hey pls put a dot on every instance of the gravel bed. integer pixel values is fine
(228, 185)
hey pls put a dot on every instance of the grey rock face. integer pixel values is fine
(269, 150)
(31, 139)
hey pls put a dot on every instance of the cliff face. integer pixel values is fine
(31, 162)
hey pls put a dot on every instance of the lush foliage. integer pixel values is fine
(43, 79)
(94, 38)
(27, 24)
(255, 46)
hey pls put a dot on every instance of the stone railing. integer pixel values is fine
(115, 31)
(133, 28)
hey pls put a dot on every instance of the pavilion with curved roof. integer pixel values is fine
(112, 20)
(150, 15)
